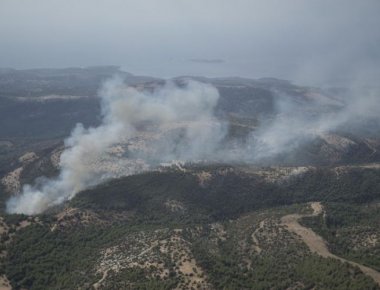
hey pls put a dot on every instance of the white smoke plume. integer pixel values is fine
(126, 112)
(171, 122)
(299, 121)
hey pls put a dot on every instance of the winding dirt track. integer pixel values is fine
(315, 243)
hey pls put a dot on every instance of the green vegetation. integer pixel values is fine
(351, 230)
(136, 279)
(354, 185)
(40, 258)
(284, 271)
(161, 230)
(228, 195)
(320, 273)
(127, 212)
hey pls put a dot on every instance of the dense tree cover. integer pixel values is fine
(3, 197)
(351, 231)
(282, 263)
(43, 259)
(321, 273)
(229, 195)
(136, 279)
(282, 272)
(39, 258)
(355, 185)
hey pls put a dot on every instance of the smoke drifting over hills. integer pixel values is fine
(173, 122)
(125, 109)
(298, 122)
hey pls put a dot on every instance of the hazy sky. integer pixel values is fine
(308, 40)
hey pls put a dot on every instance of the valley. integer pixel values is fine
(316, 244)
(258, 211)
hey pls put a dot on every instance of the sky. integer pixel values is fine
(308, 41)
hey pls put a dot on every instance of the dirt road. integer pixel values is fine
(315, 243)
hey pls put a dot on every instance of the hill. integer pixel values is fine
(304, 216)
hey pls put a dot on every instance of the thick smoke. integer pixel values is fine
(167, 123)
(127, 112)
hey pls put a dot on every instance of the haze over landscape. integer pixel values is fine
(189, 144)
(310, 42)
